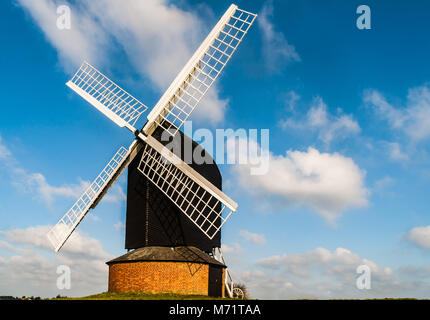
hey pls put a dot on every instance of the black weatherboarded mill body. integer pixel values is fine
(152, 218)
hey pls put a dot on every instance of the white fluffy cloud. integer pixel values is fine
(336, 261)
(420, 236)
(4, 151)
(413, 118)
(30, 267)
(327, 183)
(383, 108)
(84, 40)
(381, 185)
(276, 49)
(325, 274)
(156, 37)
(78, 244)
(254, 238)
(231, 249)
(36, 183)
(290, 100)
(395, 152)
(328, 126)
(119, 225)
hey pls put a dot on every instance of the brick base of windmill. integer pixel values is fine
(177, 270)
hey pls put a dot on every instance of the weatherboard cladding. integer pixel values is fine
(153, 220)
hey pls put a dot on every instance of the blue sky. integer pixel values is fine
(348, 112)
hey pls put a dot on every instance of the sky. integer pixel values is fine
(348, 116)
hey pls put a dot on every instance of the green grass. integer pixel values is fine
(142, 296)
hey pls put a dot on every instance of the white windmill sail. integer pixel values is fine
(203, 203)
(200, 72)
(68, 223)
(115, 103)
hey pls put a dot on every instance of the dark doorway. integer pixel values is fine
(215, 281)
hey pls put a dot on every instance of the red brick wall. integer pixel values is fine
(159, 277)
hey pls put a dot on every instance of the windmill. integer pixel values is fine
(162, 172)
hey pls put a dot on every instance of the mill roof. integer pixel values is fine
(174, 254)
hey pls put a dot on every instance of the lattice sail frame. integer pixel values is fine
(59, 234)
(114, 102)
(201, 71)
(195, 196)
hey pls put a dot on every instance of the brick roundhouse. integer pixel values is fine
(178, 270)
